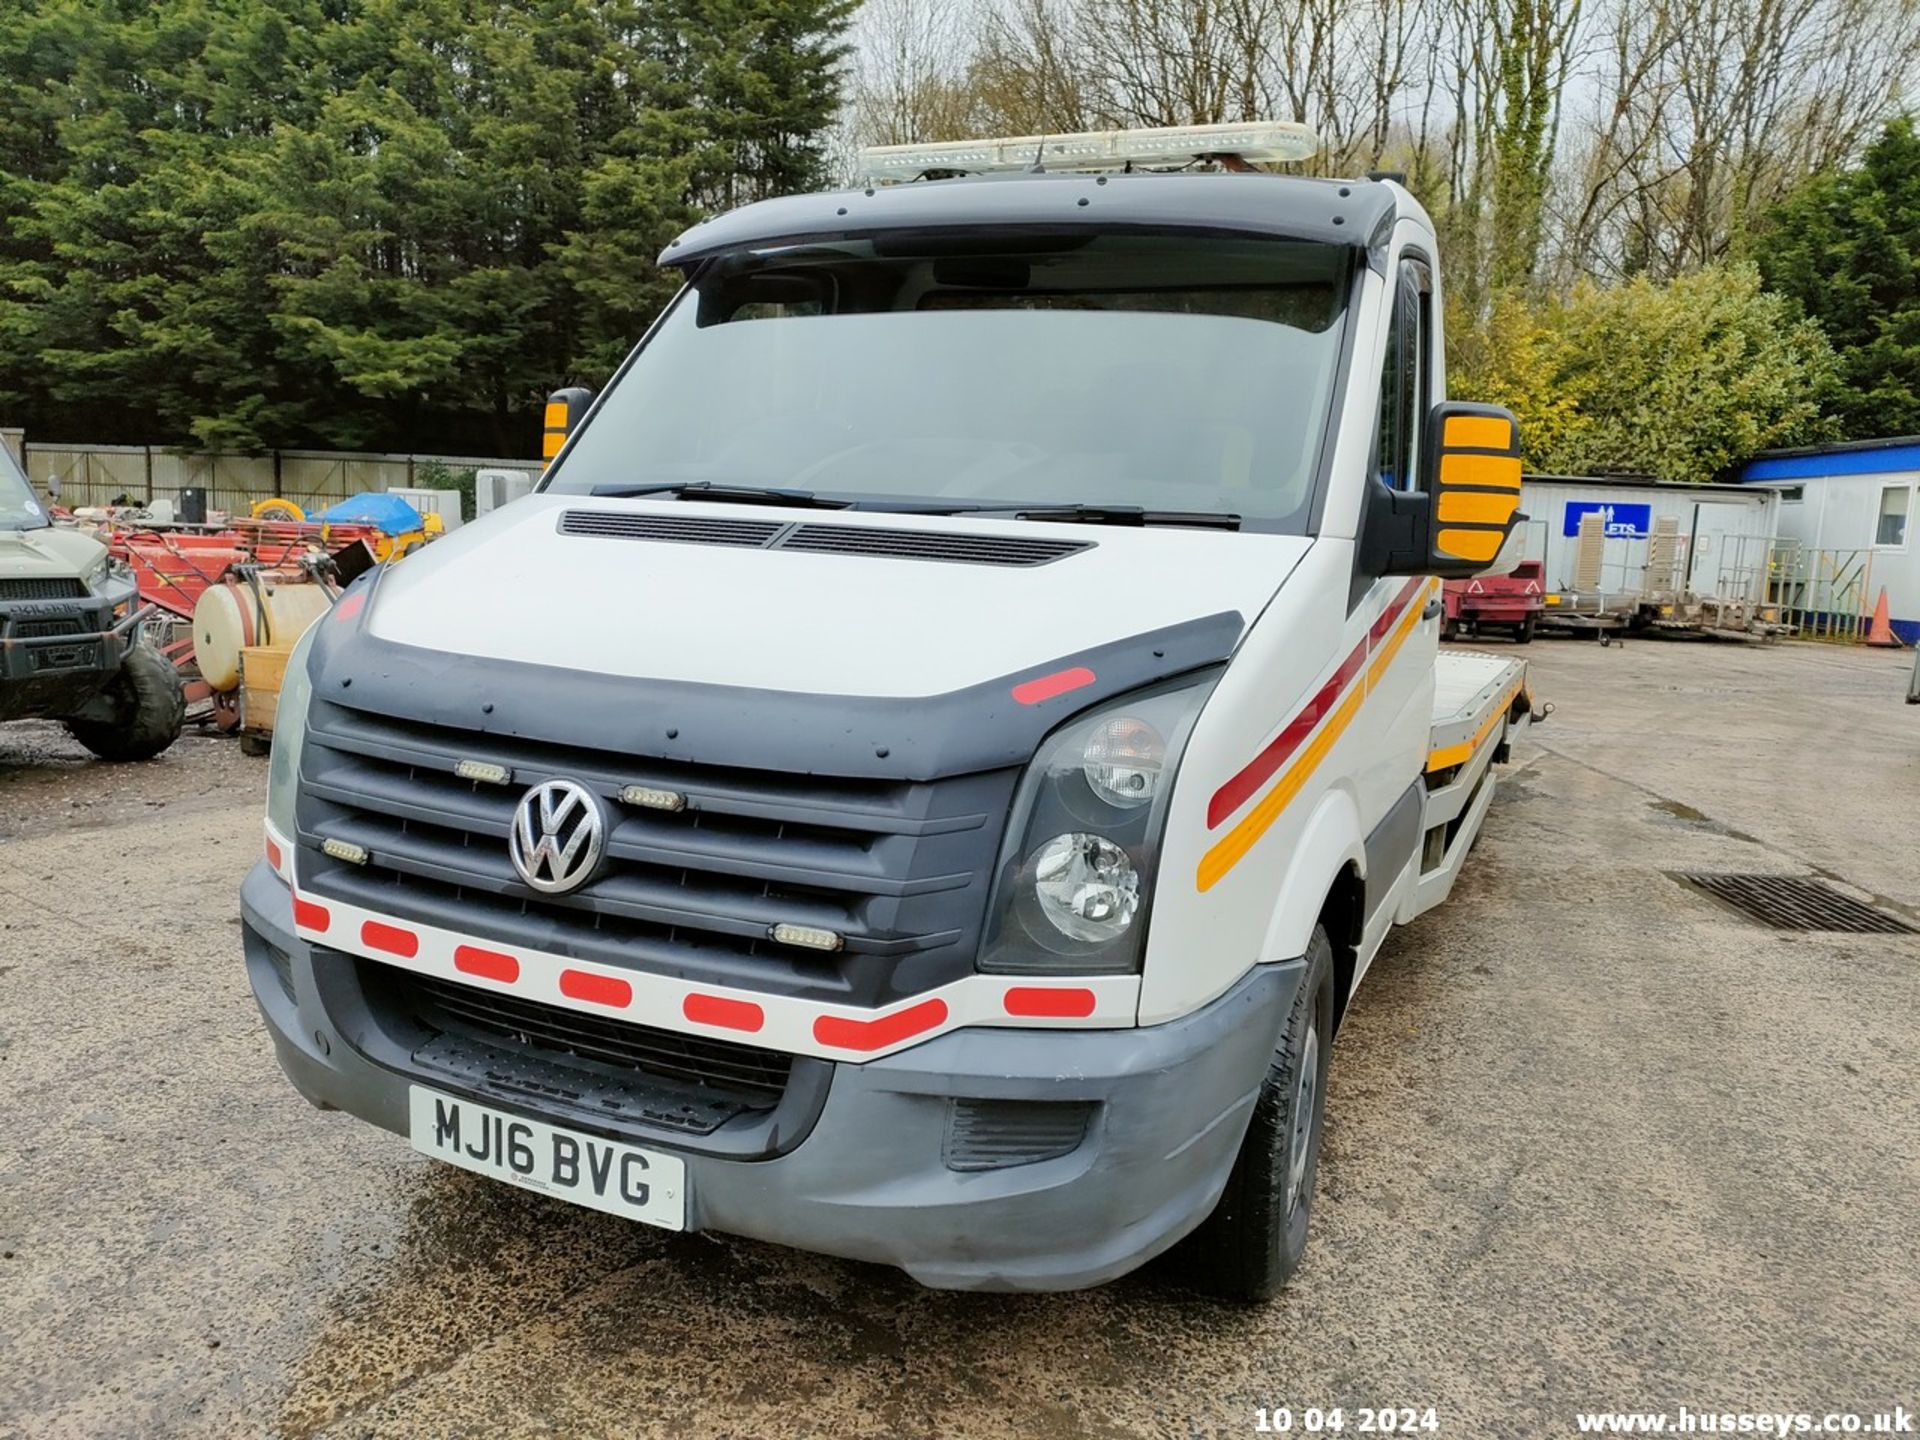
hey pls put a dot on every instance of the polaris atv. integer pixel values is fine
(71, 645)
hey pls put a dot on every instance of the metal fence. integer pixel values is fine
(1823, 594)
(312, 479)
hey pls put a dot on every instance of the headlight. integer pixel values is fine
(1077, 868)
(1087, 887)
(289, 734)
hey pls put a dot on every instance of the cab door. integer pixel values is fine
(1404, 630)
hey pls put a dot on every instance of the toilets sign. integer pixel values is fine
(1617, 521)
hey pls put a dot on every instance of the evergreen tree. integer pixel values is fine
(384, 223)
(1847, 248)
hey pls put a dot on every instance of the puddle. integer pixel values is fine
(1699, 820)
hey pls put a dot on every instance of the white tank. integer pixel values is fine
(235, 614)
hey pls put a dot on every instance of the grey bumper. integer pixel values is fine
(871, 1179)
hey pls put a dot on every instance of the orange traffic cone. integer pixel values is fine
(1882, 631)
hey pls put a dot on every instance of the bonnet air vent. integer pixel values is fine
(681, 529)
(867, 540)
(930, 545)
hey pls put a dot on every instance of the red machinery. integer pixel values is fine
(1513, 601)
(176, 565)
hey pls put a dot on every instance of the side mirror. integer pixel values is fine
(1469, 497)
(565, 410)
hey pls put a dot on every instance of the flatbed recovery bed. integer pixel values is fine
(1480, 703)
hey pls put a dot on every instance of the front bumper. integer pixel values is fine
(871, 1180)
(56, 656)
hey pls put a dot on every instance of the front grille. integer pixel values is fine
(994, 1134)
(898, 869)
(517, 1024)
(44, 629)
(36, 588)
(607, 1070)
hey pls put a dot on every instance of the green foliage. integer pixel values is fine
(438, 475)
(1513, 359)
(1846, 247)
(390, 224)
(1680, 381)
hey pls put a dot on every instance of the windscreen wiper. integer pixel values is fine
(729, 494)
(1118, 515)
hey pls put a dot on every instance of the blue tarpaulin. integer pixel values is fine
(389, 512)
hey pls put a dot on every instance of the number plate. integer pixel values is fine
(620, 1179)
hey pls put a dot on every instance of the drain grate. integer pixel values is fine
(1794, 902)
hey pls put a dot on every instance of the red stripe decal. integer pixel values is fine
(1032, 692)
(351, 606)
(600, 989)
(487, 964)
(1248, 783)
(725, 1013)
(875, 1034)
(390, 938)
(1071, 1003)
(1262, 768)
(273, 855)
(1392, 612)
(309, 916)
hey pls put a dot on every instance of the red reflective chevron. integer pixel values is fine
(847, 1034)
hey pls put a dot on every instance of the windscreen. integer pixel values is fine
(18, 509)
(1165, 372)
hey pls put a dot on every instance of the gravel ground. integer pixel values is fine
(1594, 1141)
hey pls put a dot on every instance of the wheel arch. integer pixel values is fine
(1325, 885)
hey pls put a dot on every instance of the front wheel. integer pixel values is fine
(1250, 1245)
(148, 709)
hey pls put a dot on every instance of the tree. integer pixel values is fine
(1514, 358)
(1685, 380)
(1846, 248)
(381, 223)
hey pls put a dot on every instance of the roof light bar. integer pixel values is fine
(1259, 141)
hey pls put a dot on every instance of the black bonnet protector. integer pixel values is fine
(983, 727)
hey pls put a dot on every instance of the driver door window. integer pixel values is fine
(1405, 391)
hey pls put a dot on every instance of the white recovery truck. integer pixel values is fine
(924, 775)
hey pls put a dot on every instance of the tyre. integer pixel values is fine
(1255, 1237)
(1449, 629)
(1524, 634)
(148, 709)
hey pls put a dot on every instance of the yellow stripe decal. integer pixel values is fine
(1233, 846)
(1455, 754)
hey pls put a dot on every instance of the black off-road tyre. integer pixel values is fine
(148, 709)
(1249, 1246)
(1524, 634)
